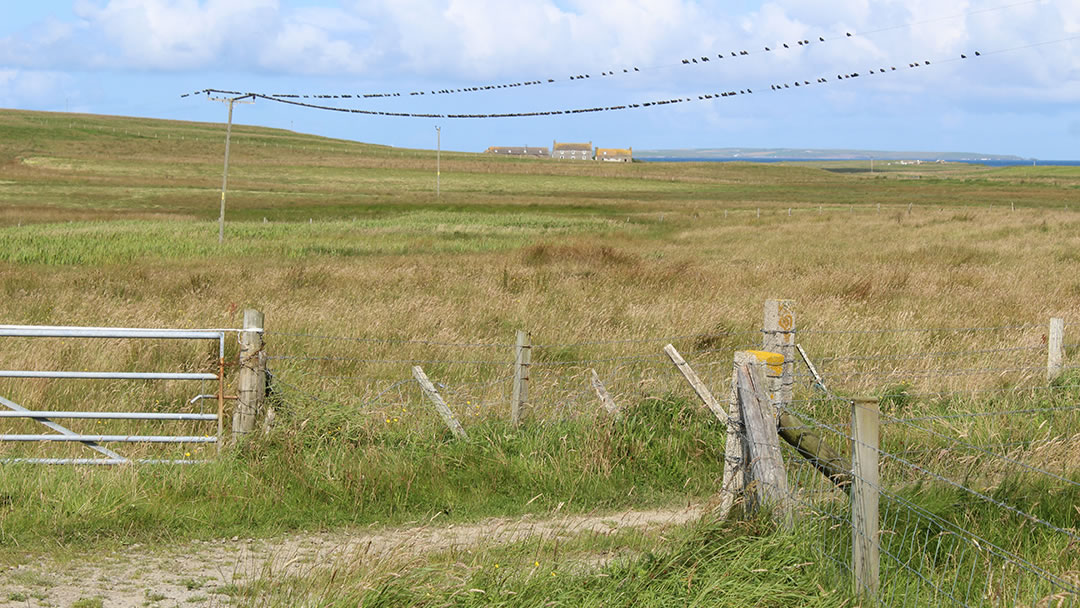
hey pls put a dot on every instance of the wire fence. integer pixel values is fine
(979, 471)
(953, 531)
(371, 378)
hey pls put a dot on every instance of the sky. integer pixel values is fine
(1020, 95)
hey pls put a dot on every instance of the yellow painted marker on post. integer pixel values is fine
(774, 362)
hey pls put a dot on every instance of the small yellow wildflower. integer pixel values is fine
(496, 566)
(187, 454)
(536, 563)
(387, 421)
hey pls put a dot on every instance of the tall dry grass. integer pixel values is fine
(602, 265)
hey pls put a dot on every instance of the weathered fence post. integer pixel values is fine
(268, 417)
(1055, 355)
(437, 401)
(778, 336)
(769, 479)
(251, 384)
(522, 360)
(604, 396)
(865, 542)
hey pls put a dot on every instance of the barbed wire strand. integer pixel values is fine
(1016, 390)
(1071, 408)
(971, 446)
(905, 330)
(931, 355)
(389, 340)
(946, 480)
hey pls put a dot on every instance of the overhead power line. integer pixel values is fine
(587, 110)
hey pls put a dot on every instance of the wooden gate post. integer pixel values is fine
(1055, 355)
(865, 541)
(769, 478)
(778, 336)
(251, 384)
(522, 361)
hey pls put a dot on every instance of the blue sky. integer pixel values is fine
(1021, 95)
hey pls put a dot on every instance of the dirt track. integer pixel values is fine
(197, 573)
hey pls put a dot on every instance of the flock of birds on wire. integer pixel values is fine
(295, 99)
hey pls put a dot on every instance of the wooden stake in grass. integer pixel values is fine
(778, 329)
(437, 401)
(736, 455)
(522, 360)
(695, 382)
(865, 548)
(605, 397)
(1055, 354)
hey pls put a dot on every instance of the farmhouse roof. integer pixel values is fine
(585, 147)
(614, 152)
(518, 150)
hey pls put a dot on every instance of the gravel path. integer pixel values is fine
(200, 573)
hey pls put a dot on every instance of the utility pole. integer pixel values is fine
(228, 139)
(438, 160)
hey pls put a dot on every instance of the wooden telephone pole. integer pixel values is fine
(228, 138)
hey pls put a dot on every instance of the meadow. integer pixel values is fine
(108, 221)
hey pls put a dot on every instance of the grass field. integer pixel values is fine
(112, 221)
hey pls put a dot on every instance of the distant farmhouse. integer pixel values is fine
(519, 151)
(569, 151)
(615, 155)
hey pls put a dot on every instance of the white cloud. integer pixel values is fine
(447, 40)
(188, 35)
(31, 88)
(176, 34)
(307, 49)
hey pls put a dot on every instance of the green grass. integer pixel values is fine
(96, 244)
(309, 475)
(707, 564)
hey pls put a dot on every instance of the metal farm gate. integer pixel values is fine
(9, 409)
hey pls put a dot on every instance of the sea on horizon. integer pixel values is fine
(989, 163)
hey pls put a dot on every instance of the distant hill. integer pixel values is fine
(810, 154)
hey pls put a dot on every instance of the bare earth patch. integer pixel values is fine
(204, 573)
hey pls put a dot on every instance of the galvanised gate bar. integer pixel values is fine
(93, 441)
